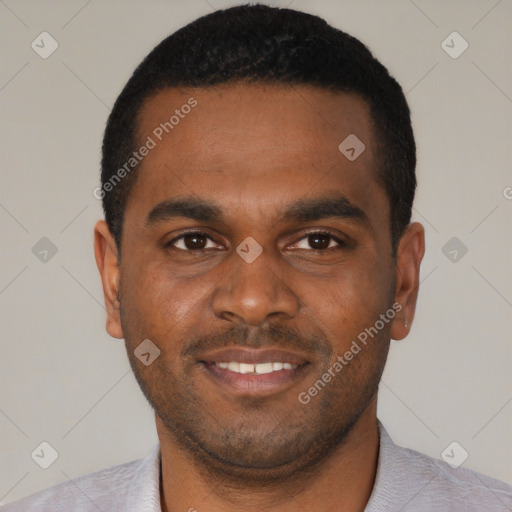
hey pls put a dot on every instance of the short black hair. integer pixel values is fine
(257, 43)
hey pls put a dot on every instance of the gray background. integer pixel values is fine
(63, 380)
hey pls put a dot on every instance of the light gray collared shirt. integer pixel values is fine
(406, 481)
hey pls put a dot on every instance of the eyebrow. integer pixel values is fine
(303, 210)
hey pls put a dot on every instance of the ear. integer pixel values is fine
(410, 251)
(105, 251)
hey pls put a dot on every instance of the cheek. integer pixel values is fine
(349, 301)
(159, 306)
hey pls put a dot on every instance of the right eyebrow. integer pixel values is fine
(189, 207)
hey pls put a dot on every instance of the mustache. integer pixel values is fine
(272, 336)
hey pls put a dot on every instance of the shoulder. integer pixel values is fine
(107, 489)
(420, 483)
(461, 487)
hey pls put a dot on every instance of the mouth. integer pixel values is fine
(254, 372)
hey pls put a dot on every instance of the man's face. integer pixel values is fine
(266, 161)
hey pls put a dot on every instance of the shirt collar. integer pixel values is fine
(144, 490)
(399, 477)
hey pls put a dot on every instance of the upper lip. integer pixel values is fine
(252, 356)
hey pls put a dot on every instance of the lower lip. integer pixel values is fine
(255, 384)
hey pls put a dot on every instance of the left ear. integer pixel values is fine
(410, 251)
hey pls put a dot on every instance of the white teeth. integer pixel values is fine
(263, 368)
(260, 368)
(246, 368)
(234, 367)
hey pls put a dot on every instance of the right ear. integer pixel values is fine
(107, 260)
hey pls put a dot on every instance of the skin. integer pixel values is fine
(253, 150)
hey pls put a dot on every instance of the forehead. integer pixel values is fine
(255, 147)
(275, 117)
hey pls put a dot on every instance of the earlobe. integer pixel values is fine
(105, 252)
(410, 251)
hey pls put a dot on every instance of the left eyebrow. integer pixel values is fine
(303, 210)
(308, 210)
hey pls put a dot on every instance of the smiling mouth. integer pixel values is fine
(258, 369)
(253, 372)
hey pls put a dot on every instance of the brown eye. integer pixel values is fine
(195, 241)
(319, 241)
(192, 241)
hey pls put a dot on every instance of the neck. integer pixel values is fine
(343, 482)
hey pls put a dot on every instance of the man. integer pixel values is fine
(257, 257)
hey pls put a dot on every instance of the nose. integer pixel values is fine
(251, 293)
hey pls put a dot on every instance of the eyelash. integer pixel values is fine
(340, 242)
